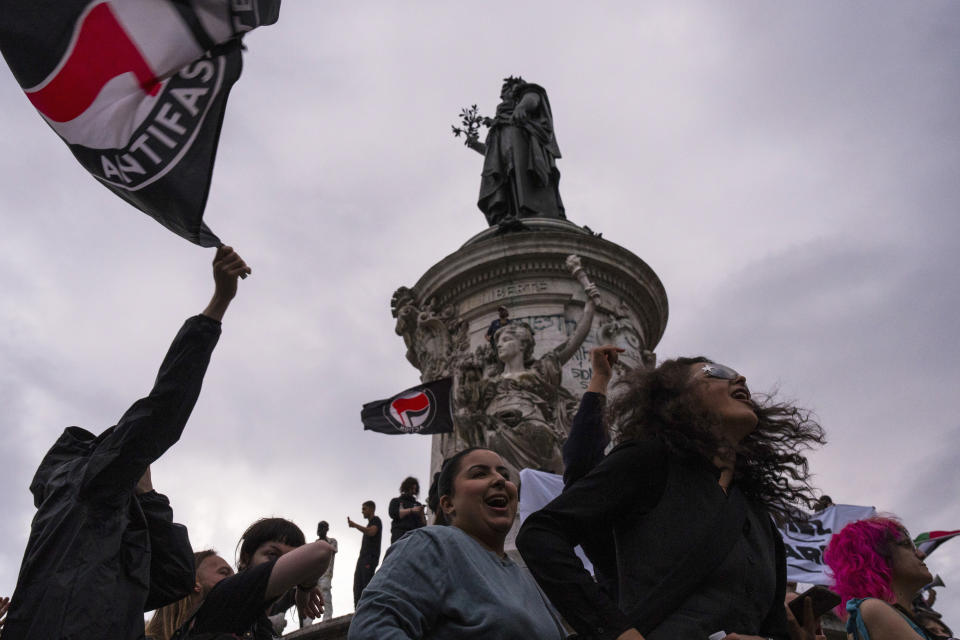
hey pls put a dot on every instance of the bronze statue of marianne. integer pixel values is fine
(520, 177)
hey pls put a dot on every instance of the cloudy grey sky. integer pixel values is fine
(791, 172)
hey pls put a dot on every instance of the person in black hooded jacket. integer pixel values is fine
(103, 547)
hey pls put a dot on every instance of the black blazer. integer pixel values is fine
(661, 508)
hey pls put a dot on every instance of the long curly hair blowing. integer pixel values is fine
(770, 466)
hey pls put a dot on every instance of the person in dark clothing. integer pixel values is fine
(273, 559)
(211, 569)
(688, 494)
(406, 514)
(369, 549)
(103, 547)
(584, 449)
(502, 320)
(4, 607)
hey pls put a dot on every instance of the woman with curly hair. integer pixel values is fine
(878, 571)
(688, 494)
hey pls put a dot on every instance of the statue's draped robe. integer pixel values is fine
(520, 177)
(528, 417)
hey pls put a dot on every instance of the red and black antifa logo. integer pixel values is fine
(124, 125)
(411, 412)
(166, 133)
(424, 409)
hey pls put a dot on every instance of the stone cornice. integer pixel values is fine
(489, 259)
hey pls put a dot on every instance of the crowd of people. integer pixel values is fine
(679, 519)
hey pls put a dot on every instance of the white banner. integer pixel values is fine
(805, 542)
(537, 488)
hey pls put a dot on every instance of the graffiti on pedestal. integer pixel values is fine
(616, 329)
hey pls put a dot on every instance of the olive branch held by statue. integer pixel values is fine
(471, 121)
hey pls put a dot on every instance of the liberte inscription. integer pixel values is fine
(520, 288)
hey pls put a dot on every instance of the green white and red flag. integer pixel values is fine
(930, 540)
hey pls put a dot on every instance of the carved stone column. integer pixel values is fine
(444, 317)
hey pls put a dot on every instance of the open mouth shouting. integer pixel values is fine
(499, 503)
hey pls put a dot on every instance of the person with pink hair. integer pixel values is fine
(877, 571)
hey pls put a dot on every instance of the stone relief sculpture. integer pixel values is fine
(505, 398)
(621, 330)
(518, 407)
(433, 335)
(404, 308)
(468, 390)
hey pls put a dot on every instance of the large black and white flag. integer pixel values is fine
(137, 89)
(424, 409)
(804, 541)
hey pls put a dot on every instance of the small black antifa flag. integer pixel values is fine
(422, 409)
(137, 89)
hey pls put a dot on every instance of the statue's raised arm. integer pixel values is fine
(573, 343)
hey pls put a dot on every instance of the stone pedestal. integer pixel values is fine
(444, 317)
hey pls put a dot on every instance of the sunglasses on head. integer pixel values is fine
(720, 371)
